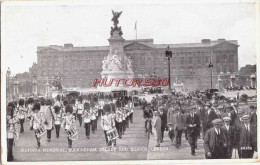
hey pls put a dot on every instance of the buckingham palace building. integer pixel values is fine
(79, 66)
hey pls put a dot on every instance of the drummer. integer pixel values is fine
(69, 122)
(107, 122)
(37, 121)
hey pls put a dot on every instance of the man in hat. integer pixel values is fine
(203, 118)
(178, 125)
(245, 138)
(215, 141)
(253, 121)
(230, 130)
(253, 115)
(163, 115)
(170, 121)
(157, 127)
(210, 116)
(193, 128)
(234, 113)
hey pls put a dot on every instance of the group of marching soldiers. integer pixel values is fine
(45, 115)
(227, 127)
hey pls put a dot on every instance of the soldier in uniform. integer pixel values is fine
(87, 119)
(57, 119)
(193, 128)
(37, 121)
(48, 119)
(21, 114)
(119, 119)
(12, 130)
(215, 141)
(69, 122)
(80, 110)
(93, 117)
(131, 107)
(107, 122)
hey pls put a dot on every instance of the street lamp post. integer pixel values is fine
(211, 66)
(168, 54)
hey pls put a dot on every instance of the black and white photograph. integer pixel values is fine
(134, 81)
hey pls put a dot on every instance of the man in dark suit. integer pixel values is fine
(253, 115)
(193, 128)
(230, 130)
(210, 116)
(245, 138)
(178, 125)
(163, 114)
(253, 121)
(234, 114)
(215, 141)
(203, 116)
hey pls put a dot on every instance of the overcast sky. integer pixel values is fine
(26, 27)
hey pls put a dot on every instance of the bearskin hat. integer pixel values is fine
(10, 111)
(30, 100)
(80, 99)
(56, 109)
(107, 108)
(58, 97)
(11, 104)
(48, 102)
(86, 105)
(118, 104)
(95, 99)
(92, 103)
(36, 106)
(42, 101)
(68, 108)
(21, 102)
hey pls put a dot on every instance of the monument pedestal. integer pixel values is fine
(116, 65)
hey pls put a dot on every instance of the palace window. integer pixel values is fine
(182, 61)
(199, 60)
(206, 59)
(190, 60)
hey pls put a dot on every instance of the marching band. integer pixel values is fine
(224, 126)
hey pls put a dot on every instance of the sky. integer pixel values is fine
(26, 26)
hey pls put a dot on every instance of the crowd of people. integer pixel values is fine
(45, 115)
(225, 126)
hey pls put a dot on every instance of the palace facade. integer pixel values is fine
(79, 66)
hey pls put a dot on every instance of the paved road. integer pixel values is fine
(133, 146)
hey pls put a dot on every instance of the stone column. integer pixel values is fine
(253, 80)
(232, 80)
(219, 83)
(16, 89)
